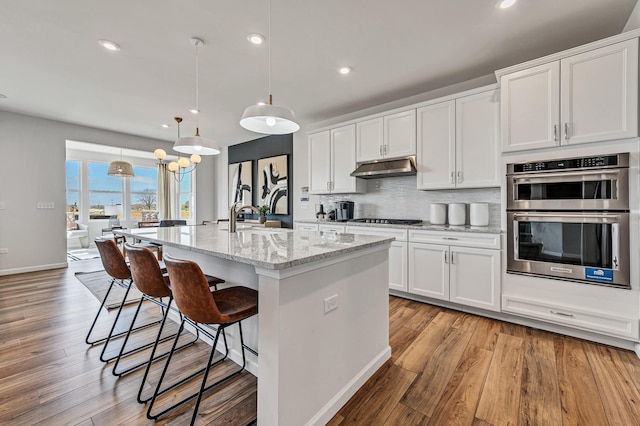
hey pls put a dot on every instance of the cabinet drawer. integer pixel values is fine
(591, 320)
(306, 227)
(398, 234)
(331, 228)
(466, 239)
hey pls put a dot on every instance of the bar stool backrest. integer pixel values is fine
(146, 271)
(191, 291)
(112, 259)
(172, 222)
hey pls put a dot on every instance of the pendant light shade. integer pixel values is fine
(269, 119)
(120, 168)
(196, 144)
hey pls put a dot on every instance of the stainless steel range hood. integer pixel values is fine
(386, 168)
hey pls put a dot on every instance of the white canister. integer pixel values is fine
(479, 214)
(438, 214)
(457, 214)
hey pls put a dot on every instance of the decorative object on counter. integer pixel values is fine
(331, 215)
(438, 214)
(479, 214)
(457, 214)
(240, 181)
(273, 183)
(263, 210)
(319, 211)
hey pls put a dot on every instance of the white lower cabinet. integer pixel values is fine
(454, 272)
(331, 227)
(397, 253)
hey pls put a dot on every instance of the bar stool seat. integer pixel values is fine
(202, 308)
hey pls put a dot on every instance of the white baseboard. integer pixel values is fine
(330, 409)
(33, 268)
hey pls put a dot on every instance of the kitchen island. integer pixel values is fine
(323, 323)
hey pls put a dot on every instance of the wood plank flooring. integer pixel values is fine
(447, 368)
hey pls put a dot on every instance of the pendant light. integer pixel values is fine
(196, 144)
(179, 168)
(269, 119)
(120, 168)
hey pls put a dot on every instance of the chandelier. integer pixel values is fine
(184, 165)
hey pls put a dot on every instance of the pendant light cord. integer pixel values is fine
(197, 79)
(269, 30)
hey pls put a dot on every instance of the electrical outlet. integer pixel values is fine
(330, 303)
(4, 250)
(2, 205)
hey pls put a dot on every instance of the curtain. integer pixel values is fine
(167, 192)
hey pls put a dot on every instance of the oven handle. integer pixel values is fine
(584, 175)
(567, 217)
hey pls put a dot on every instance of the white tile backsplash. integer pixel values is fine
(398, 198)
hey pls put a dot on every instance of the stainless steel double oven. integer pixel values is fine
(569, 219)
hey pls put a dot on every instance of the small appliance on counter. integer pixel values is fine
(320, 211)
(457, 214)
(344, 211)
(438, 214)
(479, 214)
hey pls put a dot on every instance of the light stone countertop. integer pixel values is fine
(272, 248)
(425, 226)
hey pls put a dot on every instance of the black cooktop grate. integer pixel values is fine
(388, 221)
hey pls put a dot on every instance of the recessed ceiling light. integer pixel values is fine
(256, 38)
(165, 125)
(345, 70)
(194, 111)
(503, 4)
(109, 45)
(262, 103)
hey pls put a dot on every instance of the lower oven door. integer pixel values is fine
(586, 247)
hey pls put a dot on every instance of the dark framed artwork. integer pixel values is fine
(240, 183)
(273, 184)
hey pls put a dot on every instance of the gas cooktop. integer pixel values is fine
(388, 221)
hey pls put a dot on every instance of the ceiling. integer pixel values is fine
(53, 67)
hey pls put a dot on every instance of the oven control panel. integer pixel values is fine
(615, 160)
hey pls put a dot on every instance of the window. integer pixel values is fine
(186, 197)
(144, 192)
(73, 186)
(104, 190)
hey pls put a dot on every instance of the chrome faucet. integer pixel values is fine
(233, 215)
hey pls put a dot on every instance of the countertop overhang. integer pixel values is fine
(271, 248)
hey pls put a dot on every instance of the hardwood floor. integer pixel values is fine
(447, 368)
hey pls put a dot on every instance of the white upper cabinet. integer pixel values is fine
(587, 97)
(331, 161)
(458, 143)
(391, 136)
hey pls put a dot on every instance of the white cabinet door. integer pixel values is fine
(369, 139)
(436, 146)
(429, 270)
(599, 97)
(530, 108)
(319, 162)
(400, 134)
(477, 124)
(475, 277)
(398, 266)
(343, 147)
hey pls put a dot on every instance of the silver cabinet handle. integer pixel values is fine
(459, 177)
(449, 238)
(555, 132)
(446, 260)
(566, 131)
(562, 314)
(453, 177)
(386, 149)
(452, 259)
(380, 150)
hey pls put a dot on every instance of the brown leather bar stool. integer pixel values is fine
(116, 267)
(202, 308)
(154, 285)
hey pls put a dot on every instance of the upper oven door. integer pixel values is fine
(606, 189)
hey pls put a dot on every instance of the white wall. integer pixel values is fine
(33, 170)
(634, 19)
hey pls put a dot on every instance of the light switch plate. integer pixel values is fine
(2, 205)
(45, 205)
(4, 250)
